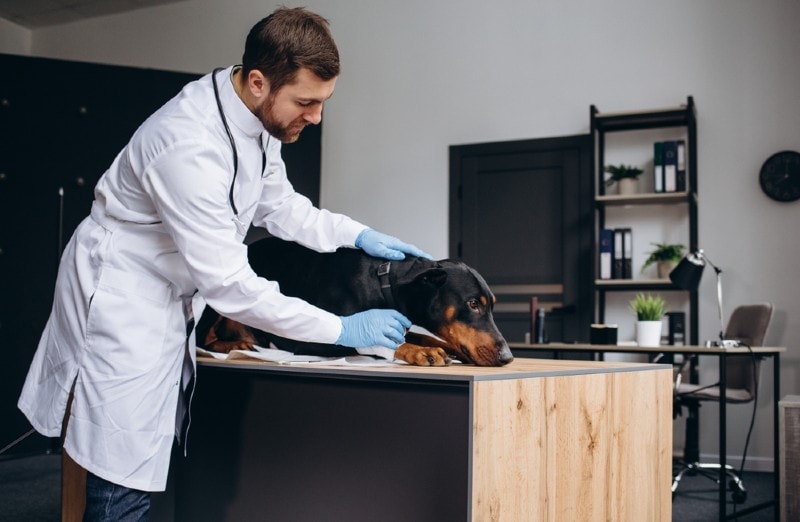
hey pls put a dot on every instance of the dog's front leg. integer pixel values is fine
(226, 335)
(422, 355)
(423, 350)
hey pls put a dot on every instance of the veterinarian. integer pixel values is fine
(165, 236)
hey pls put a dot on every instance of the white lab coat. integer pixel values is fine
(161, 229)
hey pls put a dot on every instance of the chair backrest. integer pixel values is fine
(748, 324)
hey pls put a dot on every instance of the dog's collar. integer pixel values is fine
(387, 278)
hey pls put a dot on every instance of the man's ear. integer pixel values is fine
(257, 84)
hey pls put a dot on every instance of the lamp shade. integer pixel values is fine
(689, 271)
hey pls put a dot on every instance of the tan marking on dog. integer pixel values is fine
(241, 336)
(481, 346)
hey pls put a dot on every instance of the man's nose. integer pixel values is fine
(314, 115)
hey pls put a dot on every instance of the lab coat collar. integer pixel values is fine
(235, 110)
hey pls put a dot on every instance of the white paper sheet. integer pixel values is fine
(275, 355)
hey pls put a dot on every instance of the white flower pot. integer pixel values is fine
(648, 333)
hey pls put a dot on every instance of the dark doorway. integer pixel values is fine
(521, 214)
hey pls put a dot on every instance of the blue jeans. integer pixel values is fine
(107, 502)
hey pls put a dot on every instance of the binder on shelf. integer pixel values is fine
(617, 273)
(606, 253)
(676, 328)
(680, 170)
(658, 167)
(627, 253)
(670, 151)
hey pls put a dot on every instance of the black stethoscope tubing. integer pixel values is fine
(230, 137)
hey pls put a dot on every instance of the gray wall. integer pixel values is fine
(419, 76)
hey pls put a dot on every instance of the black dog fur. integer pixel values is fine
(446, 297)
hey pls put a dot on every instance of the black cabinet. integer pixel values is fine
(61, 125)
(640, 129)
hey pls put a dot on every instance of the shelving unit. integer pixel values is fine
(604, 123)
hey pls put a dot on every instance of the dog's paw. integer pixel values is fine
(422, 355)
(229, 346)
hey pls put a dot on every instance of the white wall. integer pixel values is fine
(419, 76)
(14, 39)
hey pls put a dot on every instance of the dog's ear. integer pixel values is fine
(421, 273)
(432, 277)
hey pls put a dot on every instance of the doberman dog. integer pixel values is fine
(447, 298)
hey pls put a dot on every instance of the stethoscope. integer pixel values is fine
(240, 226)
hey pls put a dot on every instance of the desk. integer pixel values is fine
(534, 440)
(522, 350)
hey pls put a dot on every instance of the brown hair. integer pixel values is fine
(288, 40)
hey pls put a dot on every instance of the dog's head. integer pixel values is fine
(454, 302)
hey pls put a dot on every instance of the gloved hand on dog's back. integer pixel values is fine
(378, 244)
(376, 327)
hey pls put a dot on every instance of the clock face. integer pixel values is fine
(780, 176)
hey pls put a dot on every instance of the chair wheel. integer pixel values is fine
(738, 496)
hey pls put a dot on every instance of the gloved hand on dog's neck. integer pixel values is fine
(377, 327)
(388, 247)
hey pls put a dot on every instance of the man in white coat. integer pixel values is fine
(167, 226)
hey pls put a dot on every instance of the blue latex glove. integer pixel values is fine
(375, 327)
(377, 244)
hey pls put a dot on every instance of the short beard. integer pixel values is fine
(275, 129)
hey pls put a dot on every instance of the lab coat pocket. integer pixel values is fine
(128, 324)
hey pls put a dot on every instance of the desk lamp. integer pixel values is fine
(687, 276)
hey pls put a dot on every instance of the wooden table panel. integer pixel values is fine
(590, 447)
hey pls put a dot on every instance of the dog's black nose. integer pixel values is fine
(505, 355)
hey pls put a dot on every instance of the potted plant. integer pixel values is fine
(626, 176)
(649, 310)
(666, 256)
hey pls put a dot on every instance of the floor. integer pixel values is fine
(697, 499)
(30, 492)
(30, 489)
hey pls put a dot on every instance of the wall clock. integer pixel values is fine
(780, 176)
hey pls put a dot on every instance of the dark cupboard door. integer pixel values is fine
(61, 125)
(521, 214)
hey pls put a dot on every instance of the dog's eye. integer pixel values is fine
(474, 305)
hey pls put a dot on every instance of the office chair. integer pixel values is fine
(747, 324)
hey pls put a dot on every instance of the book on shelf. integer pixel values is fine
(618, 272)
(658, 167)
(627, 253)
(680, 170)
(670, 151)
(606, 253)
